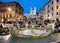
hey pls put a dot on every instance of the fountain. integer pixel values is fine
(31, 32)
(26, 25)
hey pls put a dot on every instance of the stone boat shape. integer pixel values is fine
(5, 37)
(31, 33)
(5, 33)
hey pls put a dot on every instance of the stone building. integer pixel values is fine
(10, 11)
(52, 10)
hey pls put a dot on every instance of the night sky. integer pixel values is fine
(26, 4)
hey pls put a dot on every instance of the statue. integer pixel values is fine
(32, 30)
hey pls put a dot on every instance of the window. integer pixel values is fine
(8, 15)
(19, 12)
(48, 11)
(52, 8)
(52, 2)
(4, 16)
(57, 0)
(57, 13)
(12, 4)
(56, 7)
(52, 14)
(48, 6)
(1, 10)
(48, 15)
(16, 10)
(16, 6)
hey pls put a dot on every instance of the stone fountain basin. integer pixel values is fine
(35, 33)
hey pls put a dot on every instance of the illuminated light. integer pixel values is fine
(59, 9)
(2, 20)
(32, 26)
(20, 16)
(9, 9)
(8, 19)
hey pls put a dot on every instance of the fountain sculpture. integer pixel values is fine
(31, 33)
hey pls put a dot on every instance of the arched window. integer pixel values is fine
(5, 15)
(8, 15)
(2, 16)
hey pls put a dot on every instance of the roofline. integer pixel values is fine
(46, 3)
(16, 3)
(13, 2)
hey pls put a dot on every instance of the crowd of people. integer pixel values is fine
(37, 22)
(4, 31)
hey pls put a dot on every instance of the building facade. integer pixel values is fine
(41, 13)
(52, 10)
(32, 12)
(10, 10)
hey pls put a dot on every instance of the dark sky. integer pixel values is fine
(26, 4)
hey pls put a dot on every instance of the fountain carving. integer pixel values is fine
(32, 30)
